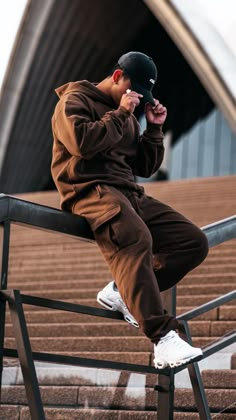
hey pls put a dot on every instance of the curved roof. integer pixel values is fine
(205, 45)
(213, 25)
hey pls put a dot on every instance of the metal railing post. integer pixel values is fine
(4, 276)
(25, 355)
(195, 377)
(166, 384)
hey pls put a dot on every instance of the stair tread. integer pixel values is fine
(98, 414)
(127, 397)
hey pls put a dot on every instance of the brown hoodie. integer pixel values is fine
(94, 142)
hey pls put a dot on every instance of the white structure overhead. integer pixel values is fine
(207, 45)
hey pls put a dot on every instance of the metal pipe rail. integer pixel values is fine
(15, 295)
(14, 210)
(24, 212)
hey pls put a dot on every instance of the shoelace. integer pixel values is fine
(177, 340)
(168, 337)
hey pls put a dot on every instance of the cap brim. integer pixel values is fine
(147, 94)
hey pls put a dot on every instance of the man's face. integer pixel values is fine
(119, 86)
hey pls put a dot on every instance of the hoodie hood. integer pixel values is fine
(87, 88)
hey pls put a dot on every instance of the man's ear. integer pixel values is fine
(118, 73)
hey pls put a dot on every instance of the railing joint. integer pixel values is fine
(160, 388)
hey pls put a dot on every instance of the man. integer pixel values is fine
(97, 152)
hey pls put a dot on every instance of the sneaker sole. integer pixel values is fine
(160, 364)
(109, 305)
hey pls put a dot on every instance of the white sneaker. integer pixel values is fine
(111, 299)
(172, 351)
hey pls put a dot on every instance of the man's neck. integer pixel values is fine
(105, 86)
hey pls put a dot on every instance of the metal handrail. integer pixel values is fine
(14, 210)
(44, 217)
(220, 231)
(186, 316)
(88, 310)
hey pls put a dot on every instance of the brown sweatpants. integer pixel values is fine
(148, 246)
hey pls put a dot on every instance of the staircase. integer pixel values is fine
(64, 268)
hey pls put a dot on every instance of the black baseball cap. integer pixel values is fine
(141, 70)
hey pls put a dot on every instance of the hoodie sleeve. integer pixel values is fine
(81, 136)
(150, 151)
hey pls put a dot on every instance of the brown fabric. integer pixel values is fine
(94, 142)
(97, 152)
(148, 247)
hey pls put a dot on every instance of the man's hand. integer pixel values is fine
(155, 114)
(130, 100)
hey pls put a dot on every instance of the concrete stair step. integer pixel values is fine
(207, 316)
(84, 262)
(22, 413)
(63, 265)
(221, 379)
(55, 374)
(128, 398)
(52, 316)
(98, 344)
(83, 250)
(48, 276)
(219, 328)
(208, 278)
(31, 286)
(217, 399)
(106, 329)
(51, 395)
(227, 312)
(75, 253)
(132, 398)
(53, 245)
(68, 249)
(223, 251)
(137, 357)
(30, 282)
(54, 269)
(196, 300)
(44, 316)
(109, 329)
(233, 361)
(65, 293)
(217, 268)
(31, 238)
(202, 289)
(219, 258)
(87, 344)
(89, 264)
(62, 262)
